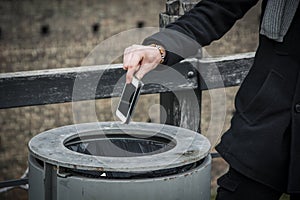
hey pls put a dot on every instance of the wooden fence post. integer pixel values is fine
(179, 106)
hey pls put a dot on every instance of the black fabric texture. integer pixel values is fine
(207, 21)
(235, 186)
(263, 140)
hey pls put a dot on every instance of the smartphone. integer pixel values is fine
(129, 97)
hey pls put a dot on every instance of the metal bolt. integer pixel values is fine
(191, 74)
(297, 108)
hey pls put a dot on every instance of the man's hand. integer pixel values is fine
(138, 60)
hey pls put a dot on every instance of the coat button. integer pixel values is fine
(297, 108)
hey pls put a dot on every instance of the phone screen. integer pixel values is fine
(127, 99)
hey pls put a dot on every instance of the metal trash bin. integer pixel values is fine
(113, 161)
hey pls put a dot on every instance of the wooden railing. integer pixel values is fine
(31, 88)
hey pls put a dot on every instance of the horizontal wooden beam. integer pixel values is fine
(97, 82)
(226, 71)
(86, 83)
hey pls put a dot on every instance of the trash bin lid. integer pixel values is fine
(183, 146)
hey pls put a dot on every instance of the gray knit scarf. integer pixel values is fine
(278, 17)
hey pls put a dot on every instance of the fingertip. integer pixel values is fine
(129, 74)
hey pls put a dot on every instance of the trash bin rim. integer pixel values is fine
(49, 147)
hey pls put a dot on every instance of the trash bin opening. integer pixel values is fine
(118, 144)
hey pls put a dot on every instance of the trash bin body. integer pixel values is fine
(177, 166)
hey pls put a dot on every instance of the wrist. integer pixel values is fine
(161, 50)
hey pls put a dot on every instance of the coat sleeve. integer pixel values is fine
(209, 20)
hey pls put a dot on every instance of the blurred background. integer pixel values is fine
(51, 34)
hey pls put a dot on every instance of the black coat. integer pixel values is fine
(263, 141)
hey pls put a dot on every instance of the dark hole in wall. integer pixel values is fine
(140, 24)
(96, 27)
(0, 33)
(45, 30)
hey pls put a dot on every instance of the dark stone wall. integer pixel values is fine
(37, 34)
